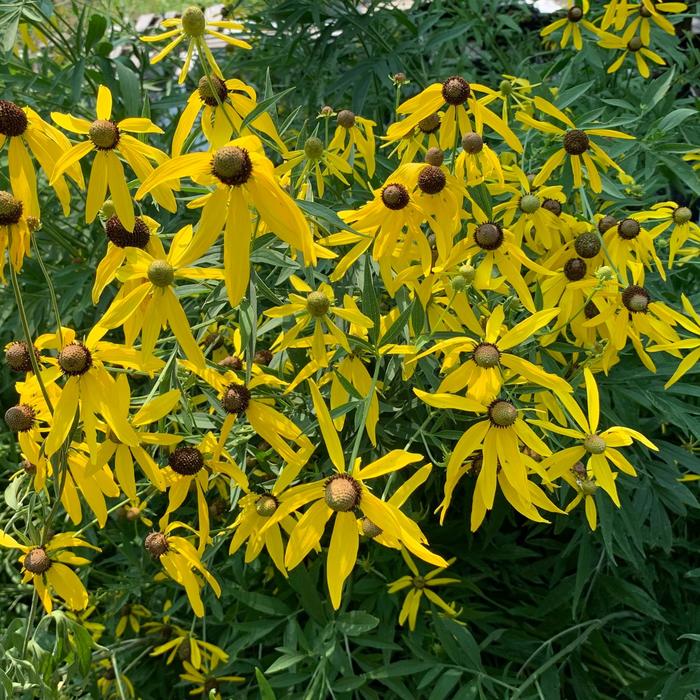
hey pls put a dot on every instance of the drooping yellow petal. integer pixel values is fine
(342, 555)
(64, 414)
(591, 513)
(9, 541)
(552, 111)
(68, 586)
(523, 330)
(399, 496)
(119, 191)
(181, 328)
(139, 125)
(70, 158)
(593, 399)
(493, 325)
(237, 237)
(188, 165)
(97, 186)
(156, 408)
(307, 533)
(325, 422)
(71, 123)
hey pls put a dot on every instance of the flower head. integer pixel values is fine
(181, 562)
(576, 145)
(194, 27)
(112, 143)
(420, 586)
(46, 566)
(242, 176)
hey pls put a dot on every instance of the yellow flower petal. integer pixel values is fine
(104, 103)
(391, 462)
(68, 586)
(342, 555)
(119, 191)
(592, 398)
(307, 533)
(325, 422)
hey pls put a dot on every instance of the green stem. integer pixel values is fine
(27, 334)
(590, 296)
(214, 91)
(117, 676)
(448, 306)
(30, 624)
(52, 290)
(250, 345)
(119, 505)
(61, 468)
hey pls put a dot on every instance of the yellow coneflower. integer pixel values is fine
(631, 44)
(130, 616)
(354, 136)
(618, 12)
(319, 309)
(424, 137)
(502, 439)
(439, 195)
(690, 361)
(576, 144)
(499, 249)
(532, 212)
(476, 161)
(257, 506)
(317, 161)
(95, 484)
(629, 244)
(456, 95)
(390, 221)
(489, 363)
(125, 455)
(108, 684)
(678, 217)
(89, 385)
(243, 176)
(422, 586)
(237, 398)
(183, 644)
(194, 26)
(120, 239)
(152, 301)
(339, 496)
(512, 92)
(205, 681)
(633, 314)
(572, 23)
(15, 232)
(224, 105)
(599, 447)
(189, 468)
(110, 140)
(585, 486)
(26, 132)
(45, 565)
(181, 562)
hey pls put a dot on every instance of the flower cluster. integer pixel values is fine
(628, 29)
(236, 384)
